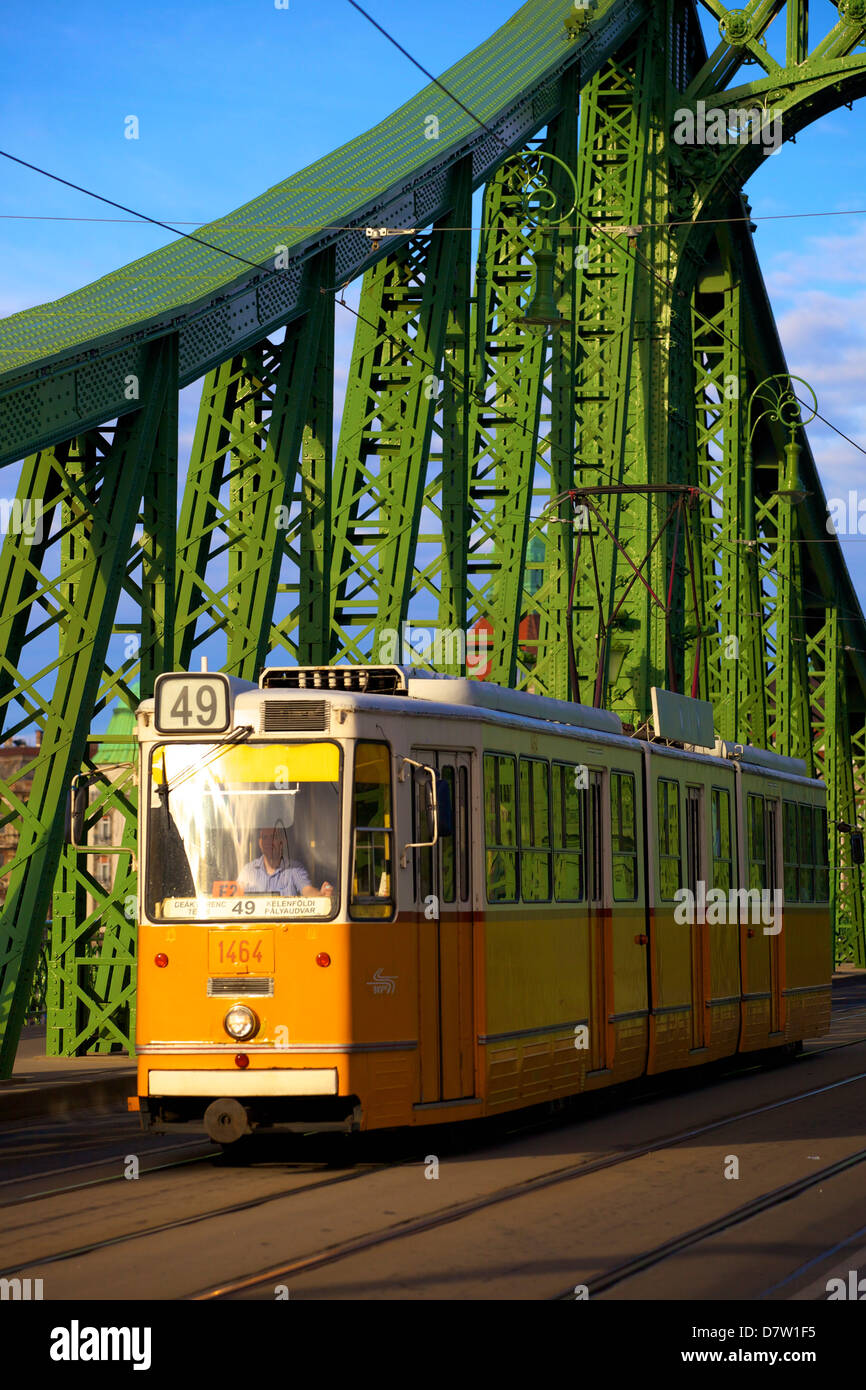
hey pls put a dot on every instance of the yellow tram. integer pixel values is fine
(371, 897)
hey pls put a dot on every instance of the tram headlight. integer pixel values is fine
(240, 1023)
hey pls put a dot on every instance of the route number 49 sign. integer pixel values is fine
(189, 703)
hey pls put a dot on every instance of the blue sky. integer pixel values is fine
(232, 96)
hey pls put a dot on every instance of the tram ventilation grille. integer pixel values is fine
(241, 984)
(281, 716)
(368, 680)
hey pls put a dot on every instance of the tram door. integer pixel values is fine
(599, 964)
(698, 930)
(443, 890)
(771, 836)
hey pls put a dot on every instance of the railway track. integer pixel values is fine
(211, 1152)
(180, 1223)
(568, 1173)
(769, 1200)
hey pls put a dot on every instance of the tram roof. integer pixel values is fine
(387, 687)
(416, 684)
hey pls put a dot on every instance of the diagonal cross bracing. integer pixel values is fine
(460, 425)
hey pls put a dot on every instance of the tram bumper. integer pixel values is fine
(227, 1105)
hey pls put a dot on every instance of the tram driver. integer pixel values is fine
(275, 872)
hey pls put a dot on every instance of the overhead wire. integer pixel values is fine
(154, 221)
(549, 444)
(668, 285)
(421, 68)
(176, 222)
(541, 447)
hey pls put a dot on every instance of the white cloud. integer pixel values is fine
(818, 294)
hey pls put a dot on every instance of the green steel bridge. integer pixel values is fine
(573, 430)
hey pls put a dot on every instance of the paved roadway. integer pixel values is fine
(624, 1197)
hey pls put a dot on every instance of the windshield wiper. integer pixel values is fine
(238, 735)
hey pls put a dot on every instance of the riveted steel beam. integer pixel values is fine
(381, 472)
(237, 506)
(59, 371)
(457, 431)
(100, 501)
(504, 419)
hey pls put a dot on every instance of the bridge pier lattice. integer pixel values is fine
(460, 425)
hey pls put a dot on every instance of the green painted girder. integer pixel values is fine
(70, 1015)
(314, 508)
(102, 497)
(156, 598)
(392, 399)
(834, 728)
(437, 578)
(620, 390)
(549, 671)
(733, 650)
(850, 913)
(444, 579)
(240, 485)
(826, 575)
(650, 343)
(91, 995)
(784, 632)
(750, 26)
(63, 365)
(504, 422)
(657, 414)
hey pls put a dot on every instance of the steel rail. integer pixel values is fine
(766, 1202)
(92, 1182)
(181, 1222)
(457, 1212)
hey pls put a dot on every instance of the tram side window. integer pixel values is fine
(807, 855)
(790, 851)
(822, 857)
(568, 820)
(463, 831)
(623, 838)
(422, 833)
(500, 823)
(446, 844)
(807, 868)
(669, 839)
(372, 833)
(757, 842)
(722, 856)
(535, 830)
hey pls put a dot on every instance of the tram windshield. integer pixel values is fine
(243, 832)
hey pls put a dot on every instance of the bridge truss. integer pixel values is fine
(436, 503)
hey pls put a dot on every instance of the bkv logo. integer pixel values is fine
(383, 984)
(21, 1289)
(855, 1289)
